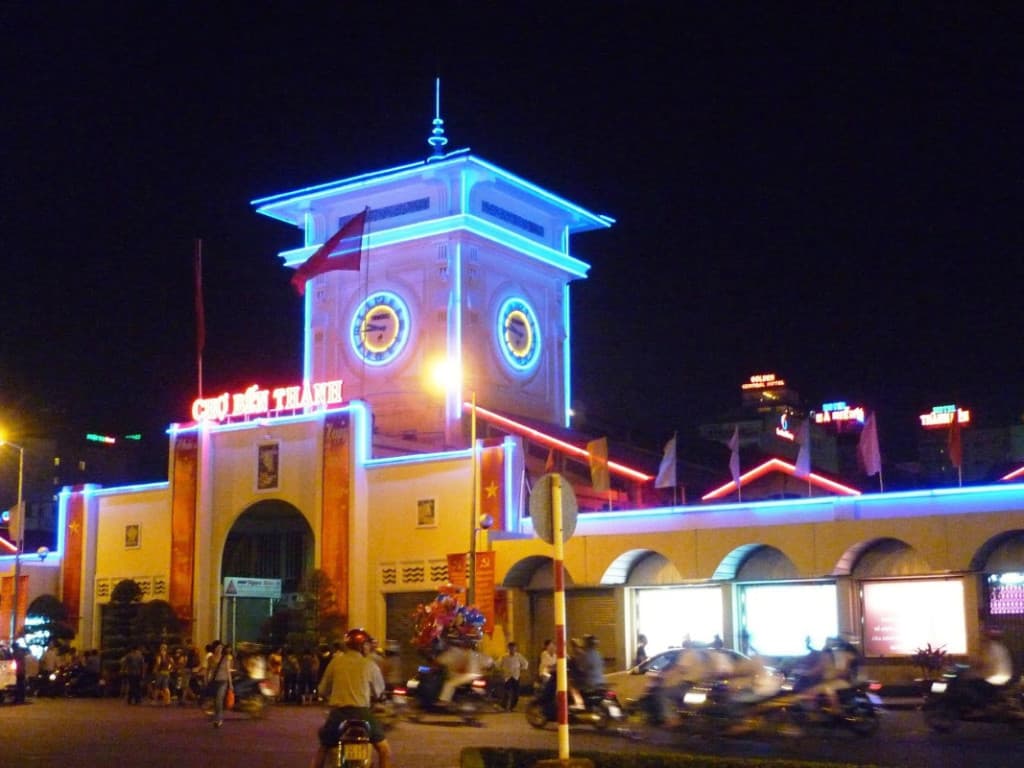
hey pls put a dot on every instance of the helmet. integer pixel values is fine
(356, 638)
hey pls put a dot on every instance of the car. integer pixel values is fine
(631, 684)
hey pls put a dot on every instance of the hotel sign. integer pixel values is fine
(763, 381)
(261, 402)
(942, 416)
(839, 412)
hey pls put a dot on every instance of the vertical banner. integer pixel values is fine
(492, 485)
(184, 490)
(334, 525)
(484, 593)
(457, 575)
(71, 568)
(6, 598)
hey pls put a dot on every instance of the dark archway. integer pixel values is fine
(270, 540)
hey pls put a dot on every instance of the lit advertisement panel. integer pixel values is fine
(670, 616)
(902, 616)
(781, 617)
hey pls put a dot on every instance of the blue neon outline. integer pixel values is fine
(404, 322)
(566, 358)
(528, 363)
(269, 206)
(448, 225)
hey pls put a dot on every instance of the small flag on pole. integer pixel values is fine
(803, 456)
(343, 250)
(867, 448)
(667, 471)
(734, 458)
(598, 452)
(549, 465)
(956, 448)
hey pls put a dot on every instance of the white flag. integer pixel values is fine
(734, 459)
(867, 448)
(667, 471)
(803, 457)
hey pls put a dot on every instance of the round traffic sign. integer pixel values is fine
(542, 513)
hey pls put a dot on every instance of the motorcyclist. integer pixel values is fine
(463, 664)
(988, 678)
(350, 684)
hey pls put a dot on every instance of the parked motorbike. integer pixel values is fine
(600, 709)
(354, 749)
(957, 698)
(420, 696)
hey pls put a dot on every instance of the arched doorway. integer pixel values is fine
(270, 542)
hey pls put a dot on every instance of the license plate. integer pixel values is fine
(938, 686)
(358, 752)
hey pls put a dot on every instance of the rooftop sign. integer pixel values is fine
(261, 402)
(763, 381)
(942, 416)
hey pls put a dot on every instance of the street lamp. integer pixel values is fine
(447, 377)
(21, 536)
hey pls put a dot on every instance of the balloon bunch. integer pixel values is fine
(444, 621)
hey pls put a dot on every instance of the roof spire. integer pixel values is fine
(437, 138)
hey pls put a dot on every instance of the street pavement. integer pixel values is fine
(109, 733)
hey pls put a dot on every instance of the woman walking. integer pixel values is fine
(219, 675)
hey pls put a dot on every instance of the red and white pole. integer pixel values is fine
(561, 669)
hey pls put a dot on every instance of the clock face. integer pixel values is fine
(518, 334)
(380, 328)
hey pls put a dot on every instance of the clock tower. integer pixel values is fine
(464, 266)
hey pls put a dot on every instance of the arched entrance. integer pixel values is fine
(270, 542)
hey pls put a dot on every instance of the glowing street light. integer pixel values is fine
(21, 535)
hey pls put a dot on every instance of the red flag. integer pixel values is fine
(549, 465)
(956, 448)
(867, 448)
(349, 253)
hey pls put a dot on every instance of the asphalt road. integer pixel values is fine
(73, 732)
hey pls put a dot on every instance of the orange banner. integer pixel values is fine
(334, 530)
(73, 553)
(492, 485)
(484, 597)
(7, 598)
(457, 575)
(184, 488)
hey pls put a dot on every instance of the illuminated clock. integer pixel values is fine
(518, 334)
(380, 328)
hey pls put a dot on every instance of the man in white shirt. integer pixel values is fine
(512, 665)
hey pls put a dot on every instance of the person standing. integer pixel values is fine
(350, 684)
(512, 666)
(220, 677)
(641, 650)
(133, 667)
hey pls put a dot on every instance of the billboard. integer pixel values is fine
(903, 616)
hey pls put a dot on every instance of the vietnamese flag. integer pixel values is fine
(346, 243)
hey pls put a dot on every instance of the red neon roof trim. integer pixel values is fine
(554, 442)
(4, 542)
(1019, 472)
(778, 465)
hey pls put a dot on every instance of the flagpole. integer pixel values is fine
(200, 314)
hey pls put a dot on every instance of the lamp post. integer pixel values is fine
(471, 563)
(21, 536)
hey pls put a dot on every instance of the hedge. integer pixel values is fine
(510, 757)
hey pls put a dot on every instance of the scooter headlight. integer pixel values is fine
(938, 686)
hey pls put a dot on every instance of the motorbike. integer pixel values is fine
(420, 695)
(600, 708)
(957, 698)
(252, 696)
(801, 704)
(354, 749)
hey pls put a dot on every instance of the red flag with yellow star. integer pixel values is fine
(492, 485)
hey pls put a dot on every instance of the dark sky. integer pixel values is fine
(831, 195)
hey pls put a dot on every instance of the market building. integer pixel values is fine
(434, 393)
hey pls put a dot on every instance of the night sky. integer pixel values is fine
(831, 195)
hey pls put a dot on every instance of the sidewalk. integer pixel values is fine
(900, 696)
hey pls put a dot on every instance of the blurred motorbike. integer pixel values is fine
(420, 695)
(601, 708)
(854, 708)
(354, 749)
(957, 698)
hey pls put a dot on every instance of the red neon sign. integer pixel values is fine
(942, 416)
(257, 402)
(763, 381)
